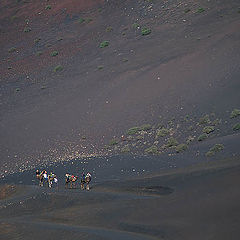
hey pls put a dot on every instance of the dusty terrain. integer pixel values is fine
(143, 94)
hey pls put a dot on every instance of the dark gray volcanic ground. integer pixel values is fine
(67, 105)
(189, 64)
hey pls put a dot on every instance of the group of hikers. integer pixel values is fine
(51, 179)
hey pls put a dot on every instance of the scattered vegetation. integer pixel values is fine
(109, 29)
(100, 67)
(145, 127)
(48, 7)
(37, 40)
(88, 20)
(216, 148)
(208, 129)
(204, 120)
(200, 10)
(187, 10)
(54, 53)
(58, 68)
(146, 31)
(162, 132)
(17, 89)
(12, 49)
(202, 137)
(181, 147)
(136, 25)
(235, 113)
(151, 150)
(236, 127)
(38, 53)
(125, 149)
(27, 29)
(172, 142)
(113, 142)
(81, 20)
(125, 60)
(59, 39)
(104, 44)
(133, 130)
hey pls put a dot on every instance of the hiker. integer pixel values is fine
(83, 179)
(88, 179)
(51, 178)
(38, 174)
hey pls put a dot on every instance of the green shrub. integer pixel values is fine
(125, 149)
(200, 10)
(208, 129)
(145, 31)
(187, 10)
(216, 148)
(12, 49)
(204, 120)
(48, 7)
(88, 20)
(104, 44)
(216, 121)
(37, 40)
(181, 147)
(58, 68)
(109, 29)
(100, 67)
(162, 132)
(172, 142)
(236, 127)
(133, 130)
(202, 137)
(54, 53)
(113, 142)
(135, 25)
(139, 137)
(81, 20)
(189, 139)
(235, 113)
(27, 29)
(17, 89)
(38, 53)
(151, 150)
(146, 127)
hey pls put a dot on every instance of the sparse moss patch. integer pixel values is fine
(208, 129)
(235, 113)
(181, 147)
(236, 127)
(104, 44)
(146, 31)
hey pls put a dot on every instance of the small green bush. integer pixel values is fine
(135, 25)
(48, 7)
(38, 53)
(181, 147)
(125, 149)
(200, 10)
(208, 129)
(104, 44)
(133, 130)
(202, 137)
(54, 53)
(139, 137)
(151, 150)
(58, 68)
(109, 29)
(235, 113)
(187, 10)
(37, 40)
(100, 67)
(12, 49)
(113, 142)
(162, 132)
(216, 148)
(236, 127)
(146, 31)
(81, 20)
(88, 20)
(204, 120)
(146, 127)
(17, 89)
(27, 29)
(172, 142)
